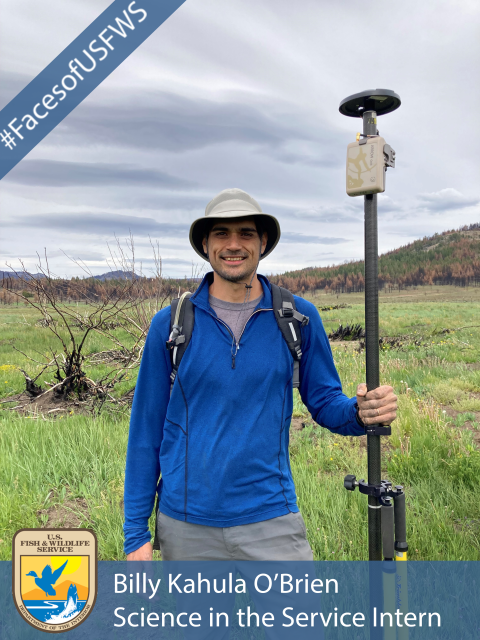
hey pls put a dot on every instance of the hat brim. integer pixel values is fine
(269, 223)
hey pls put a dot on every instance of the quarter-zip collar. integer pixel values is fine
(200, 297)
(200, 300)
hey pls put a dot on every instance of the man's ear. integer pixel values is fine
(264, 243)
(205, 247)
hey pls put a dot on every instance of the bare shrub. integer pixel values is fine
(120, 310)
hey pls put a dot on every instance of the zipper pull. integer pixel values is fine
(234, 354)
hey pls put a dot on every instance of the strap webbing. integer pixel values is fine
(289, 321)
(182, 320)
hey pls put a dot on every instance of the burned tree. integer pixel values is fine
(128, 303)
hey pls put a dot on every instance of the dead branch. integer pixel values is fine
(34, 390)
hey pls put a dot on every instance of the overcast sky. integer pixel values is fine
(245, 93)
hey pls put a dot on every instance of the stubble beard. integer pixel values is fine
(233, 277)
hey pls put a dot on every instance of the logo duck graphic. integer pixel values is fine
(48, 578)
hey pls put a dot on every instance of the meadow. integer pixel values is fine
(64, 467)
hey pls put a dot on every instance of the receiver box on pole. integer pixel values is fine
(366, 166)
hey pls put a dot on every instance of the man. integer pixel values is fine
(220, 439)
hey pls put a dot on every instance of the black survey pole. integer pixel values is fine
(368, 105)
(372, 350)
(367, 160)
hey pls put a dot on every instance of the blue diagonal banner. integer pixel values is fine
(75, 73)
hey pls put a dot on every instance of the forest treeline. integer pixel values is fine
(449, 258)
(87, 289)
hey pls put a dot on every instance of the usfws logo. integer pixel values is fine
(54, 577)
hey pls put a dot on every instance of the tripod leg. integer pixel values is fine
(401, 546)
(388, 530)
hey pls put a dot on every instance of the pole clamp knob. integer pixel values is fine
(350, 482)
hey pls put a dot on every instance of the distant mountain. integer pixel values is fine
(451, 257)
(25, 274)
(117, 275)
(111, 275)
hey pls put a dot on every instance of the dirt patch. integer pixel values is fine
(298, 424)
(70, 514)
(344, 343)
(451, 413)
(363, 443)
(46, 406)
(472, 366)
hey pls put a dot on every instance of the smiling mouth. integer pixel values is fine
(233, 259)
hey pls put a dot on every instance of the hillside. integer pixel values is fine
(16, 275)
(451, 257)
(116, 275)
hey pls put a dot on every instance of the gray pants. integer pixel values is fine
(283, 538)
(278, 539)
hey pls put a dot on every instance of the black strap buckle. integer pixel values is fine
(285, 313)
(175, 338)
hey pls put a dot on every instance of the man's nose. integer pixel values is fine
(234, 242)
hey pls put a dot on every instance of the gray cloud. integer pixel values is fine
(11, 84)
(257, 107)
(387, 205)
(331, 215)
(333, 259)
(175, 261)
(51, 173)
(174, 123)
(327, 253)
(446, 199)
(130, 198)
(88, 256)
(300, 238)
(297, 158)
(106, 224)
(165, 202)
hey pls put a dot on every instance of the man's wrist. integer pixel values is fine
(357, 416)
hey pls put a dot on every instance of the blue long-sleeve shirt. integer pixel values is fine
(220, 441)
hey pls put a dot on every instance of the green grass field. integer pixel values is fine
(66, 467)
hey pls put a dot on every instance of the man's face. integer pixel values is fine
(234, 248)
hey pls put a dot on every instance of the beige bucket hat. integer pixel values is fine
(234, 203)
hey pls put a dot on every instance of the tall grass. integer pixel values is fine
(46, 462)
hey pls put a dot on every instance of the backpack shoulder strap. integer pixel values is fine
(289, 321)
(182, 318)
